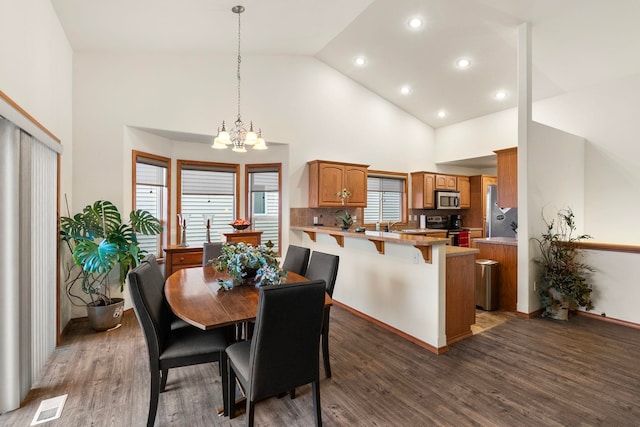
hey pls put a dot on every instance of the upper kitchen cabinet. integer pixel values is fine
(446, 182)
(423, 185)
(507, 177)
(327, 180)
(464, 187)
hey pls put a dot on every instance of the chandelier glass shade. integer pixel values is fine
(238, 136)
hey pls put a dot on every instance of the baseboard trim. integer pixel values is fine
(608, 319)
(529, 315)
(429, 347)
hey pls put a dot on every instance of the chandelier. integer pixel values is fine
(238, 136)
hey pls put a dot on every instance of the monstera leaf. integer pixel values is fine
(97, 258)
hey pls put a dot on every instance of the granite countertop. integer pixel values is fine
(509, 241)
(383, 236)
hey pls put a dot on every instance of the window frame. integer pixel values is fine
(202, 165)
(253, 168)
(165, 222)
(404, 202)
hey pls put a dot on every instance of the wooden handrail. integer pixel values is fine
(609, 247)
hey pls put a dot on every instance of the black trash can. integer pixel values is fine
(487, 284)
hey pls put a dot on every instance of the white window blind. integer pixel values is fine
(264, 189)
(384, 199)
(208, 191)
(151, 195)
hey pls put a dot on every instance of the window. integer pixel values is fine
(263, 201)
(386, 197)
(151, 178)
(207, 189)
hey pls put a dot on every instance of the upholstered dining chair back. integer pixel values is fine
(169, 348)
(283, 353)
(150, 308)
(210, 252)
(296, 259)
(323, 266)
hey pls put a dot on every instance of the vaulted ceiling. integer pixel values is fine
(576, 43)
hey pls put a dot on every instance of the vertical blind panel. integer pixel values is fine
(151, 175)
(208, 182)
(42, 252)
(11, 347)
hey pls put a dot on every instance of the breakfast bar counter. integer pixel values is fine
(401, 282)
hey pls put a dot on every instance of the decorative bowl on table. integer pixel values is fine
(240, 226)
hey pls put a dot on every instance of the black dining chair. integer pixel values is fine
(211, 252)
(296, 259)
(176, 322)
(323, 266)
(170, 348)
(283, 353)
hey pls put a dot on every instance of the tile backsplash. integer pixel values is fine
(326, 216)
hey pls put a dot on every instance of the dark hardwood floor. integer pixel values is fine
(521, 372)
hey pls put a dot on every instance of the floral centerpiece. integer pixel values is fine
(244, 262)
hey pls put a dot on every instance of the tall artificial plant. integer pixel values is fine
(562, 277)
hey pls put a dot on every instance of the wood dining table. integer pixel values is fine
(195, 296)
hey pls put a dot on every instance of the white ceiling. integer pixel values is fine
(576, 43)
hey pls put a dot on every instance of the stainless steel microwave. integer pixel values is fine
(447, 200)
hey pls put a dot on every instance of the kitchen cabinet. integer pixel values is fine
(476, 215)
(446, 182)
(465, 192)
(327, 179)
(178, 257)
(507, 177)
(422, 190)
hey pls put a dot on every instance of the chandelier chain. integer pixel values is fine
(239, 61)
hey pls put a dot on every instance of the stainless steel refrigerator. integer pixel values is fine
(500, 221)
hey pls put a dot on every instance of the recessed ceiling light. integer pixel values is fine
(405, 90)
(442, 114)
(360, 61)
(501, 94)
(463, 63)
(415, 23)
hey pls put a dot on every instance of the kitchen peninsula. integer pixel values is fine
(402, 282)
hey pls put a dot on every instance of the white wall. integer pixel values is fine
(297, 101)
(477, 137)
(607, 116)
(555, 180)
(36, 73)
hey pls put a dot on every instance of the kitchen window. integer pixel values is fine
(264, 201)
(204, 189)
(386, 197)
(151, 180)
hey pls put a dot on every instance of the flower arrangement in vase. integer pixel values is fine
(244, 262)
(343, 194)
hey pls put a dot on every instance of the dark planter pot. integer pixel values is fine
(103, 317)
(345, 228)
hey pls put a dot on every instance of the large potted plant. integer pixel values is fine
(562, 278)
(99, 242)
(248, 263)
